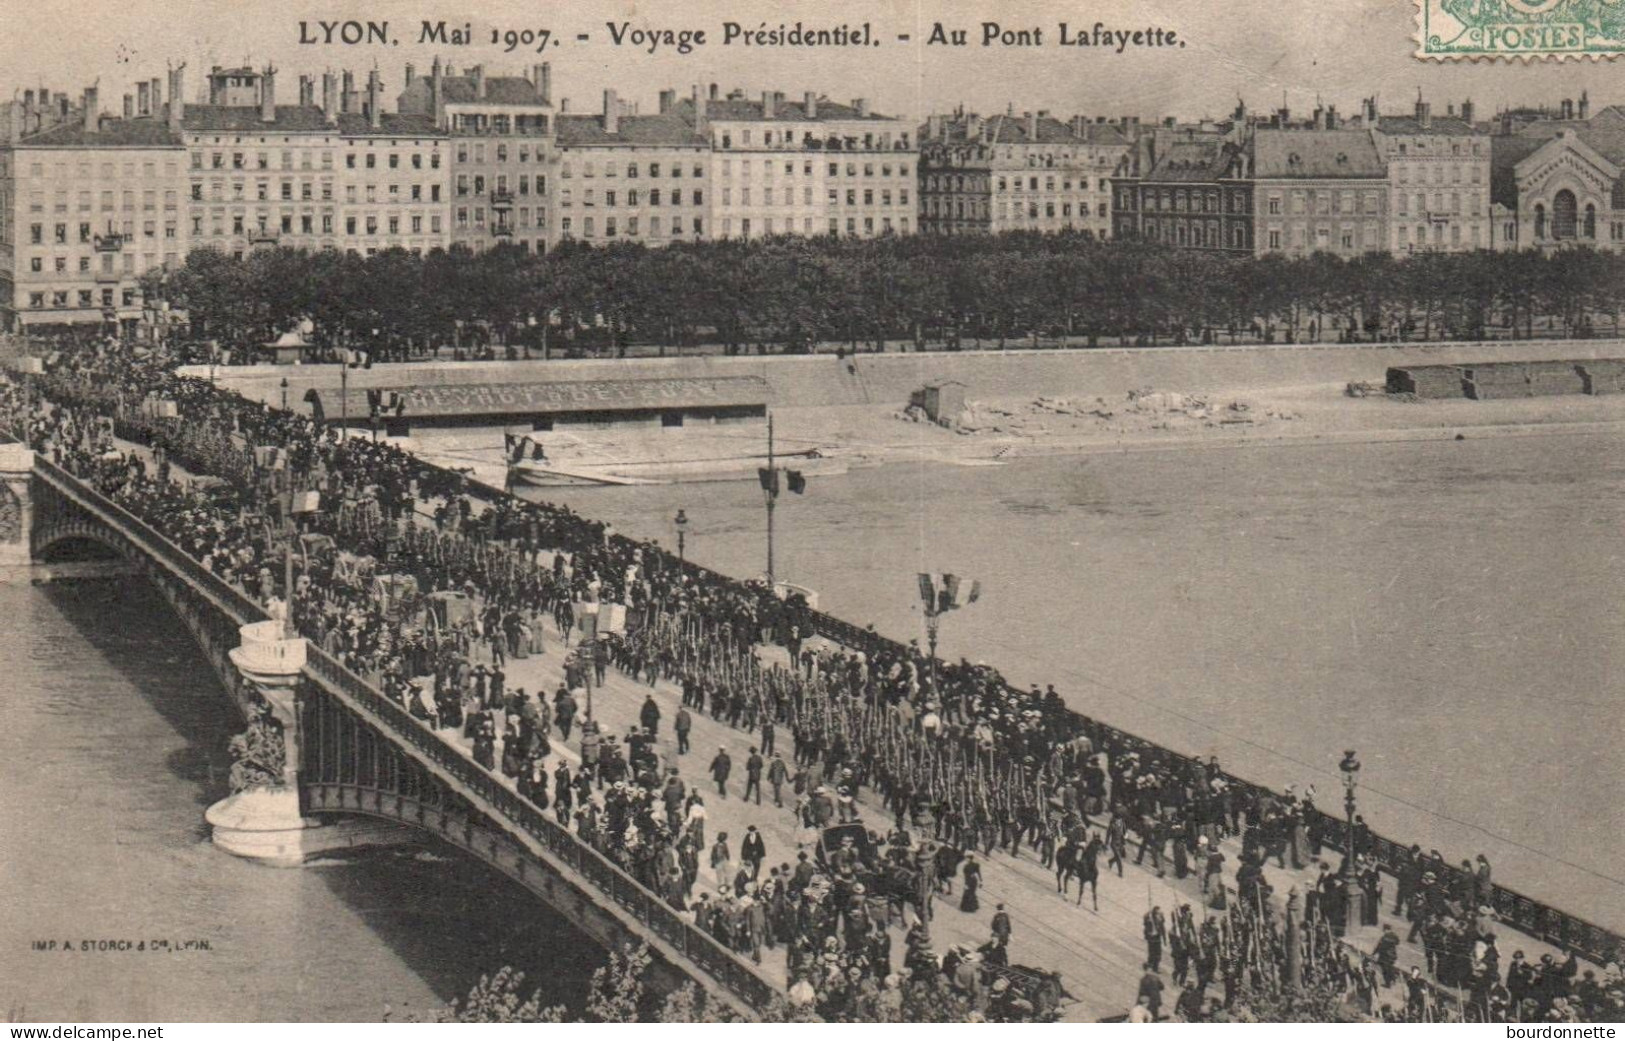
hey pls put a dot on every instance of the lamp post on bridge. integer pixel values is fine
(939, 594)
(284, 393)
(1353, 897)
(680, 522)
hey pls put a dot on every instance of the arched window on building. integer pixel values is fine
(1564, 215)
(1590, 229)
(1540, 221)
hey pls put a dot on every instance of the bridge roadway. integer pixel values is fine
(1099, 953)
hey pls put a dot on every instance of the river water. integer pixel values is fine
(112, 747)
(1450, 610)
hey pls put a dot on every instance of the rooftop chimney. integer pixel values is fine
(93, 110)
(1467, 111)
(1585, 105)
(129, 106)
(268, 95)
(347, 93)
(1032, 125)
(862, 105)
(713, 94)
(437, 92)
(1568, 108)
(701, 124)
(1371, 117)
(564, 106)
(768, 101)
(1424, 114)
(177, 97)
(157, 97)
(612, 112)
(478, 72)
(809, 104)
(541, 81)
(411, 74)
(143, 98)
(375, 109)
(330, 101)
(1078, 124)
(668, 100)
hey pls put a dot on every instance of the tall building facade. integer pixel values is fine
(1316, 191)
(624, 176)
(343, 174)
(501, 139)
(807, 167)
(1032, 173)
(88, 204)
(1191, 195)
(1438, 178)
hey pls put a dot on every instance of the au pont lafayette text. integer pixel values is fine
(653, 38)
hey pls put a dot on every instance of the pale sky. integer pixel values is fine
(1252, 48)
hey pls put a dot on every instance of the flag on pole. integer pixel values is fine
(945, 592)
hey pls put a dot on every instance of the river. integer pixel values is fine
(113, 746)
(1447, 609)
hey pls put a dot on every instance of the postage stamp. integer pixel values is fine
(1527, 29)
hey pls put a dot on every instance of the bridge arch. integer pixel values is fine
(72, 540)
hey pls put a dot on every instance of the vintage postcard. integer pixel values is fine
(807, 511)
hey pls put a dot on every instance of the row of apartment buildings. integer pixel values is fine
(89, 202)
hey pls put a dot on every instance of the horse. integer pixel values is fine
(1071, 862)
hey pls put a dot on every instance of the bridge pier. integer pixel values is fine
(16, 507)
(264, 822)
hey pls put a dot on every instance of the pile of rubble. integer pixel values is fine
(1142, 409)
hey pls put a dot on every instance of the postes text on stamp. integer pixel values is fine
(1529, 29)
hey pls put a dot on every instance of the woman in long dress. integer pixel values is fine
(973, 881)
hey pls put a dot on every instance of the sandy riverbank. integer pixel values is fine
(1170, 419)
(1027, 403)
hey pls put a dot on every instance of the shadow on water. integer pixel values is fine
(446, 916)
(135, 632)
(452, 919)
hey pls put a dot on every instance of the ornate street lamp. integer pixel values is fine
(1350, 766)
(284, 393)
(680, 522)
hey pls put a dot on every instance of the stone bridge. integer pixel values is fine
(358, 769)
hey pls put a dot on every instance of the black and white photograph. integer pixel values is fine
(945, 511)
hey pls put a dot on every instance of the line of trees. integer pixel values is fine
(788, 293)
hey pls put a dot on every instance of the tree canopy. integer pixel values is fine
(789, 293)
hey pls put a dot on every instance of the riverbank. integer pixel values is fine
(1024, 403)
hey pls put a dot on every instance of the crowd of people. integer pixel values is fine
(430, 587)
